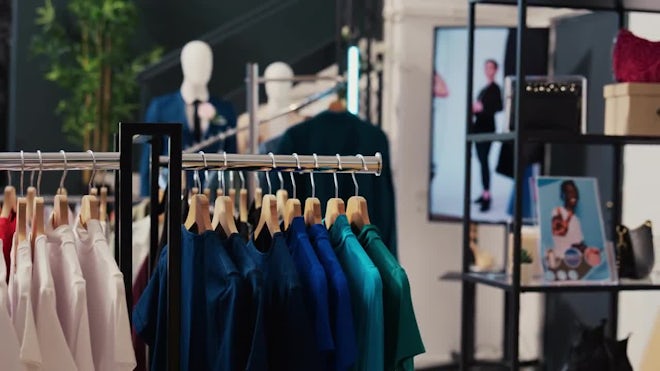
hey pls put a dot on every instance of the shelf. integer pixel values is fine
(567, 138)
(502, 281)
(491, 137)
(611, 5)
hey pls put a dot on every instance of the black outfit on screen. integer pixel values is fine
(491, 100)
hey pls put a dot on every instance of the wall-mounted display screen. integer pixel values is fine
(494, 58)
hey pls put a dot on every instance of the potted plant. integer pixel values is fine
(88, 49)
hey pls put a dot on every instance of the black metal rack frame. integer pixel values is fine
(519, 136)
(123, 228)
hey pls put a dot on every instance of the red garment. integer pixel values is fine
(636, 59)
(7, 229)
(139, 347)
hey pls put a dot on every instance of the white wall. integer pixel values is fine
(638, 310)
(427, 249)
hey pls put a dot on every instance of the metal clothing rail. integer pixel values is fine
(292, 108)
(28, 161)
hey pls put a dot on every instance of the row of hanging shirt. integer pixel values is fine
(279, 289)
(63, 304)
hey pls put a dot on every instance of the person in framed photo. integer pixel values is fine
(566, 226)
(488, 103)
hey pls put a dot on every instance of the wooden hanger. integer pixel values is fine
(268, 216)
(89, 209)
(312, 212)
(338, 105)
(60, 211)
(292, 209)
(30, 195)
(223, 215)
(333, 209)
(198, 214)
(282, 196)
(357, 210)
(10, 202)
(258, 197)
(103, 200)
(21, 219)
(38, 218)
(335, 206)
(243, 205)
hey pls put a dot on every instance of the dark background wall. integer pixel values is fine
(298, 32)
(583, 47)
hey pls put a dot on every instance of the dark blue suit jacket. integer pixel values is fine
(171, 108)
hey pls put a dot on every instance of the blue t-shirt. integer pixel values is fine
(289, 332)
(366, 288)
(314, 285)
(339, 296)
(250, 338)
(210, 286)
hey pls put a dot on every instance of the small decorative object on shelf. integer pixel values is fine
(526, 268)
(634, 251)
(572, 244)
(483, 260)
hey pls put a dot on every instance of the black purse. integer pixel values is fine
(634, 251)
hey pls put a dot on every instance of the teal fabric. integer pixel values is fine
(366, 288)
(331, 133)
(402, 338)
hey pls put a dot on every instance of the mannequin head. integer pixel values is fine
(197, 63)
(278, 91)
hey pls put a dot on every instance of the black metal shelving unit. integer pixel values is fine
(511, 284)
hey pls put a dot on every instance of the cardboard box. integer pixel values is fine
(632, 109)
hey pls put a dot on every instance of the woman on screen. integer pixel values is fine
(488, 103)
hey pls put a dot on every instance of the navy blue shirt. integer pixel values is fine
(210, 286)
(339, 296)
(314, 285)
(289, 334)
(250, 338)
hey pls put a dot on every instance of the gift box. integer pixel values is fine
(632, 109)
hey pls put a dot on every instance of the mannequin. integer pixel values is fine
(215, 115)
(279, 95)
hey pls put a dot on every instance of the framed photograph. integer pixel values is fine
(573, 247)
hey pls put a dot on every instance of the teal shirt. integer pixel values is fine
(402, 338)
(366, 288)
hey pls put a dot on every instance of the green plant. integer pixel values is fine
(89, 54)
(525, 258)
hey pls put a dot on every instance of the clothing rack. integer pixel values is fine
(176, 162)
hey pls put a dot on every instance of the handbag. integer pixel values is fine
(635, 251)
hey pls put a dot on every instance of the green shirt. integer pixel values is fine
(366, 290)
(402, 338)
